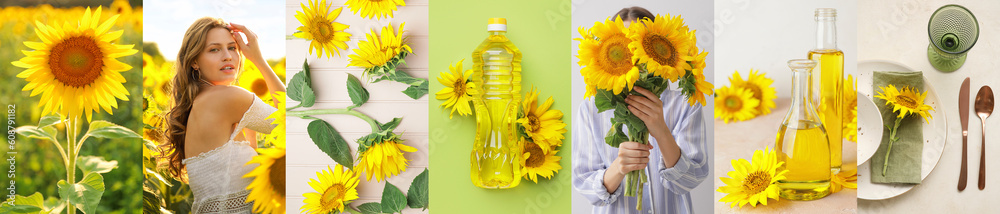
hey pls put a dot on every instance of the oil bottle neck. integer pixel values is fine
(826, 29)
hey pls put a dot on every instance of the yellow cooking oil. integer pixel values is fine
(496, 154)
(829, 97)
(806, 153)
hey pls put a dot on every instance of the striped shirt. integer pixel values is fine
(668, 187)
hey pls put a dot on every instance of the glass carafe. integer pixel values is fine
(802, 142)
(496, 152)
(826, 90)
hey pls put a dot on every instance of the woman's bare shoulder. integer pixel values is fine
(228, 102)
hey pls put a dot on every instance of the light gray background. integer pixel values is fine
(698, 16)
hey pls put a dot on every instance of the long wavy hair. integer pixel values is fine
(186, 87)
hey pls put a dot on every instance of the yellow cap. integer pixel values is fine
(498, 21)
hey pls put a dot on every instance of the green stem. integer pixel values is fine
(294, 107)
(306, 113)
(71, 133)
(892, 138)
(352, 210)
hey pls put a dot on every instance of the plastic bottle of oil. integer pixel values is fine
(496, 153)
(802, 142)
(827, 93)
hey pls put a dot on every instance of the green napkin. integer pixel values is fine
(905, 158)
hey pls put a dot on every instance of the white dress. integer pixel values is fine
(216, 177)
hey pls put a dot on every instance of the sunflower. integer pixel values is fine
(378, 50)
(377, 9)
(334, 189)
(543, 125)
(318, 26)
(536, 162)
(736, 104)
(74, 66)
(843, 180)
(252, 80)
(701, 87)
(121, 7)
(277, 136)
(384, 159)
(606, 58)
(850, 109)
(753, 183)
(907, 101)
(662, 45)
(267, 190)
(761, 88)
(458, 90)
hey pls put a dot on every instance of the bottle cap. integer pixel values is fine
(497, 24)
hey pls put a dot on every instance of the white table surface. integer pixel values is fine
(897, 31)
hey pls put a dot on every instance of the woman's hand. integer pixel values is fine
(249, 48)
(649, 109)
(631, 156)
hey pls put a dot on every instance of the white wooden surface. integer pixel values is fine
(386, 101)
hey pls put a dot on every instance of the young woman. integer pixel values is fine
(211, 133)
(675, 157)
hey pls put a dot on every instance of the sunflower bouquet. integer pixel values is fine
(650, 54)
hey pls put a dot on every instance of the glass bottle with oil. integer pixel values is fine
(802, 142)
(496, 152)
(826, 93)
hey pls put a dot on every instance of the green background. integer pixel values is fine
(541, 30)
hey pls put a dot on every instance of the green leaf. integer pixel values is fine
(48, 121)
(393, 199)
(359, 95)
(105, 129)
(607, 100)
(33, 132)
(370, 208)
(391, 124)
(300, 90)
(615, 136)
(416, 92)
(151, 202)
(307, 71)
(329, 141)
(417, 196)
(84, 195)
(34, 203)
(95, 164)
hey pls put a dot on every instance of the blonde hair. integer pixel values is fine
(185, 85)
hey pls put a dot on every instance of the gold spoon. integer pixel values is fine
(984, 107)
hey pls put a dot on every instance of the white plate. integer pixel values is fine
(934, 134)
(869, 128)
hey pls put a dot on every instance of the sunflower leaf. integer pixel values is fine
(393, 199)
(417, 195)
(370, 208)
(391, 125)
(416, 92)
(48, 121)
(330, 142)
(84, 195)
(299, 90)
(24, 204)
(615, 136)
(606, 100)
(105, 129)
(95, 164)
(359, 95)
(33, 132)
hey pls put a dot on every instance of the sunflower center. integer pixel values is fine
(333, 194)
(756, 182)
(536, 157)
(459, 87)
(907, 101)
(533, 123)
(76, 61)
(617, 59)
(757, 92)
(323, 30)
(259, 87)
(734, 103)
(277, 176)
(660, 49)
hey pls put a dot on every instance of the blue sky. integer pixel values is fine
(166, 20)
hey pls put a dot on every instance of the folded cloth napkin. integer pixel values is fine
(906, 156)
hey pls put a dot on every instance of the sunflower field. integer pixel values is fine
(38, 172)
